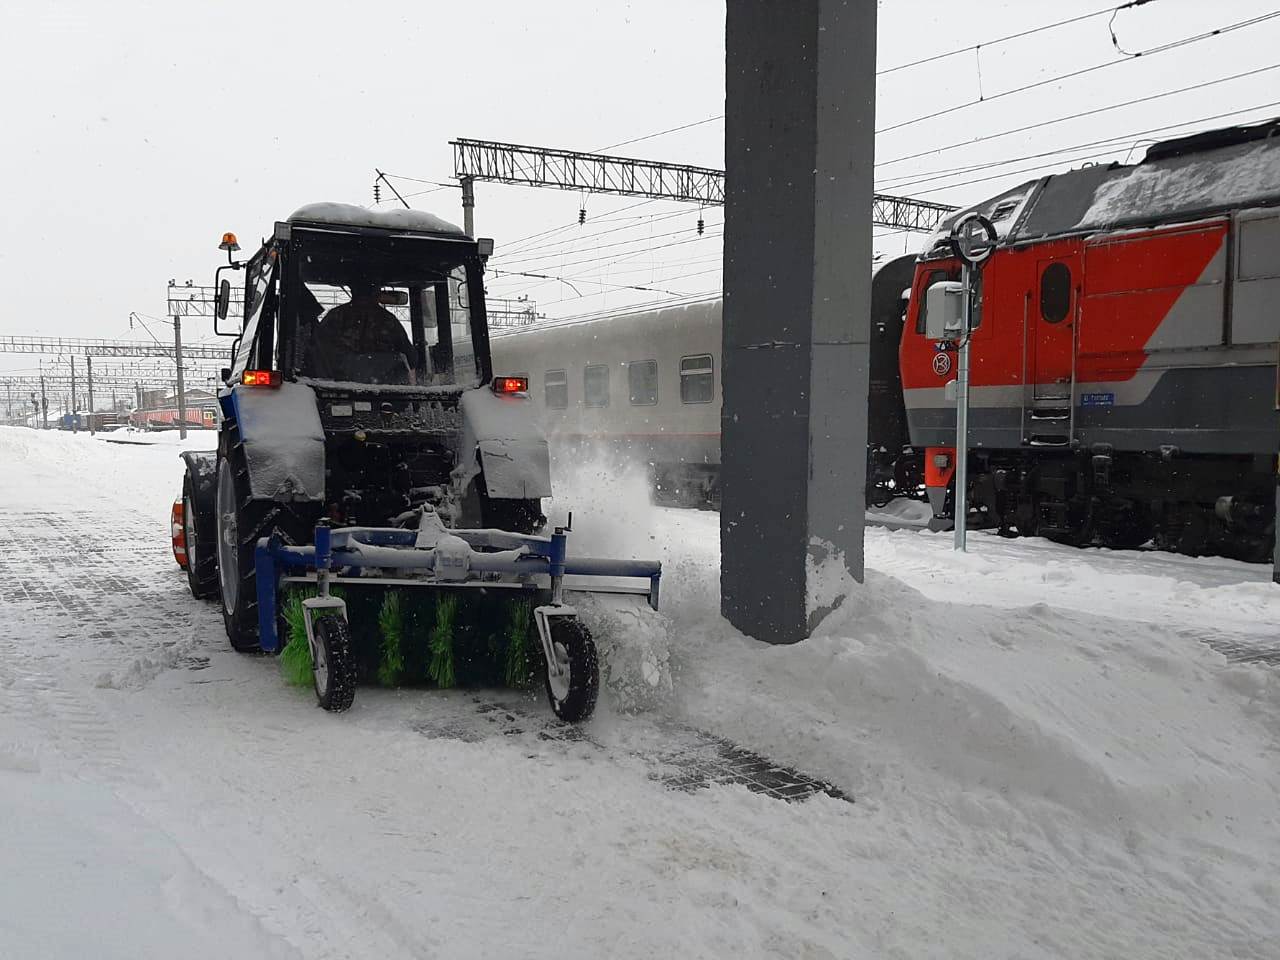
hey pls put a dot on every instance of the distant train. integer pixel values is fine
(1124, 362)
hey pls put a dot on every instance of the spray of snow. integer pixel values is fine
(613, 517)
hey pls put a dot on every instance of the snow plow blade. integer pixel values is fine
(442, 605)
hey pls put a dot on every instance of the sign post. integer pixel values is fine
(973, 240)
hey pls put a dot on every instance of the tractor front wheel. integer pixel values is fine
(333, 667)
(573, 690)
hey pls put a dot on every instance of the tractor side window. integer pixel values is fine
(1055, 292)
(595, 385)
(697, 379)
(556, 386)
(642, 379)
(935, 276)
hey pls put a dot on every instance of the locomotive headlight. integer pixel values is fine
(942, 460)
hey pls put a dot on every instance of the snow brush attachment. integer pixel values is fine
(438, 605)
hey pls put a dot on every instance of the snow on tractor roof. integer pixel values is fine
(349, 214)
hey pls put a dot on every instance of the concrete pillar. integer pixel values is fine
(799, 147)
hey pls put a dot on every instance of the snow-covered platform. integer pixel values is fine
(1052, 754)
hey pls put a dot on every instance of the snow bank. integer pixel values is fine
(1031, 779)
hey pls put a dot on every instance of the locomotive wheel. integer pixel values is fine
(1126, 531)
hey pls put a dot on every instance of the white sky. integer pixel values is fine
(135, 133)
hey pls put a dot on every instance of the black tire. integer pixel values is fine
(253, 519)
(202, 544)
(575, 701)
(335, 668)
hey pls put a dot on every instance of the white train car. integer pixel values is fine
(643, 385)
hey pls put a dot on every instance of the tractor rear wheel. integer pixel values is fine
(240, 522)
(202, 545)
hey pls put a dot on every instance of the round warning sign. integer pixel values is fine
(942, 364)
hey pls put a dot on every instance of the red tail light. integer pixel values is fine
(260, 378)
(510, 384)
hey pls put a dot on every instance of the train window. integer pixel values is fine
(697, 379)
(595, 385)
(642, 378)
(1055, 292)
(937, 276)
(556, 386)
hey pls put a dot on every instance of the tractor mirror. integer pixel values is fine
(944, 311)
(223, 299)
(225, 374)
(393, 298)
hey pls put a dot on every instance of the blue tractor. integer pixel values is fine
(365, 443)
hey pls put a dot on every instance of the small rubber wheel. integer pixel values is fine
(202, 545)
(334, 670)
(573, 694)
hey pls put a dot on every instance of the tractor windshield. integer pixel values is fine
(382, 311)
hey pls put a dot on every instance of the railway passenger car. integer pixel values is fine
(645, 386)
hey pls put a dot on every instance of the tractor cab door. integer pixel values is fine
(1052, 317)
(256, 347)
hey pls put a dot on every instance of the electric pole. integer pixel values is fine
(44, 405)
(177, 355)
(88, 362)
(468, 205)
(75, 416)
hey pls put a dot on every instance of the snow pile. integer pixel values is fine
(1031, 780)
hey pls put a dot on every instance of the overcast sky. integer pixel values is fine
(135, 133)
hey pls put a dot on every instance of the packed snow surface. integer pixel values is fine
(1046, 759)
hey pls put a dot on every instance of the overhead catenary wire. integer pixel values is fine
(607, 246)
(1113, 144)
(570, 281)
(973, 48)
(525, 252)
(1077, 116)
(1113, 10)
(1171, 45)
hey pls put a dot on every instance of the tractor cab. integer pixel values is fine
(341, 294)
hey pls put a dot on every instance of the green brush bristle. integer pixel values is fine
(391, 626)
(441, 643)
(295, 658)
(517, 670)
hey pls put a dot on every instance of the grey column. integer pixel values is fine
(799, 148)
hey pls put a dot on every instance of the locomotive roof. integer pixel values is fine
(1178, 180)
